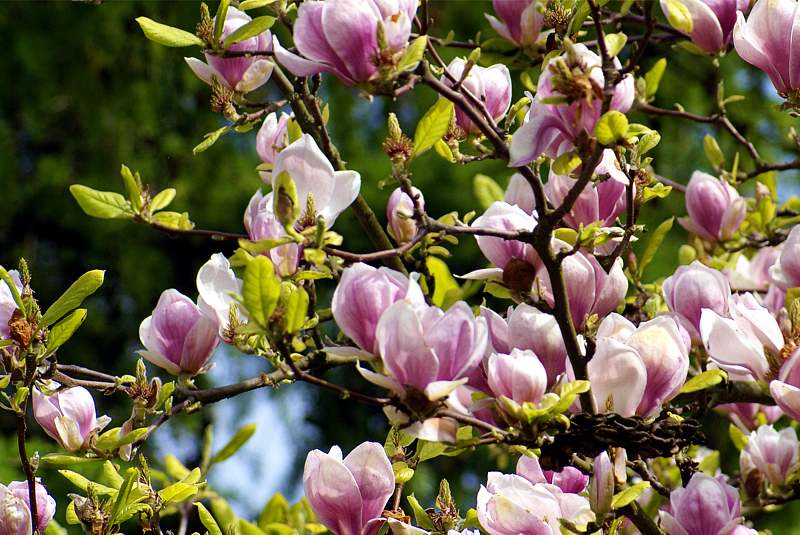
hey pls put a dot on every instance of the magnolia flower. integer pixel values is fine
(711, 21)
(693, 288)
(635, 370)
(772, 453)
(262, 224)
(499, 251)
(715, 208)
(400, 215)
(363, 295)
(68, 416)
(748, 416)
(569, 480)
(15, 513)
(765, 41)
(786, 272)
(519, 192)
(490, 85)
(599, 201)
(217, 286)
(272, 137)
(785, 389)
(601, 488)
(244, 73)
(348, 495)
(7, 303)
(428, 349)
(343, 38)
(552, 129)
(706, 506)
(742, 344)
(530, 328)
(179, 336)
(518, 376)
(519, 20)
(753, 274)
(510, 504)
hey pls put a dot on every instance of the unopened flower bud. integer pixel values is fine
(601, 486)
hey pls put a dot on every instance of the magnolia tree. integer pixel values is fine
(558, 353)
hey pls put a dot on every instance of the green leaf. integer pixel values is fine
(413, 54)
(295, 307)
(176, 220)
(208, 520)
(82, 483)
(615, 42)
(175, 468)
(124, 492)
(713, 152)
(625, 497)
(54, 460)
(253, 28)
(655, 242)
(420, 516)
(656, 191)
(254, 4)
(611, 127)
(82, 288)
(486, 190)
(167, 35)
(248, 528)
(433, 126)
(210, 139)
(443, 150)
(132, 187)
(678, 15)
(54, 528)
(114, 439)
(162, 199)
(704, 380)
(261, 289)
(101, 204)
(239, 439)
(566, 163)
(225, 516)
(111, 475)
(219, 20)
(177, 492)
(738, 437)
(648, 142)
(64, 329)
(446, 290)
(275, 510)
(653, 77)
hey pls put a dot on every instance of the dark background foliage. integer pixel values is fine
(83, 91)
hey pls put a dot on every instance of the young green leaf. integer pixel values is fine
(295, 307)
(655, 242)
(261, 289)
(208, 520)
(210, 139)
(714, 154)
(486, 190)
(739, 438)
(413, 54)
(132, 187)
(239, 439)
(219, 20)
(101, 204)
(64, 329)
(253, 28)
(162, 199)
(615, 42)
(167, 35)
(653, 77)
(433, 126)
(625, 497)
(678, 15)
(254, 4)
(611, 127)
(86, 285)
(704, 380)
(177, 492)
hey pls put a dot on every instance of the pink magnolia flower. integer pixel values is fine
(552, 129)
(601, 488)
(742, 343)
(715, 208)
(68, 416)
(7, 303)
(518, 376)
(786, 272)
(635, 370)
(242, 74)
(499, 251)
(400, 215)
(340, 37)
(785, 389)
(712, 21)
(599, 201)
(765, 40)
(217, 285)
(349, 495)
(15, 513)
(490, 85)
(261, 223)
(530, 328)
(748, 416)
(772, 453)
(520, 193)
(706, 506)
(753, 274)
(570, 480)
(179, 336)
(363, 294)
(693, 288)
(519, 21)
(272, 137)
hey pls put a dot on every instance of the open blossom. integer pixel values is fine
(712, 21)
(179, 336)
(490, 85)
(599, 201)
(340, 37)
(7, 303)
(68, 416)
(217, 284)
(706, 506)
(716, 210)
(244, 73)
(399, 213)
(786, 272)
(503, 216)
(552, 129)
(742, 344)
(509, 504)
(518, 21)
(754, 275)
(261, 223)
(747, 416)
(635, 370)
(772, 453)
(15, 513)
(272, 137)
(530, 328)
(349, 495)
(765, 40)
(520, 193)
(428, 349)
(363, 295)
(569, 480)
(785, 389)
(693, 288)
(519, 376)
